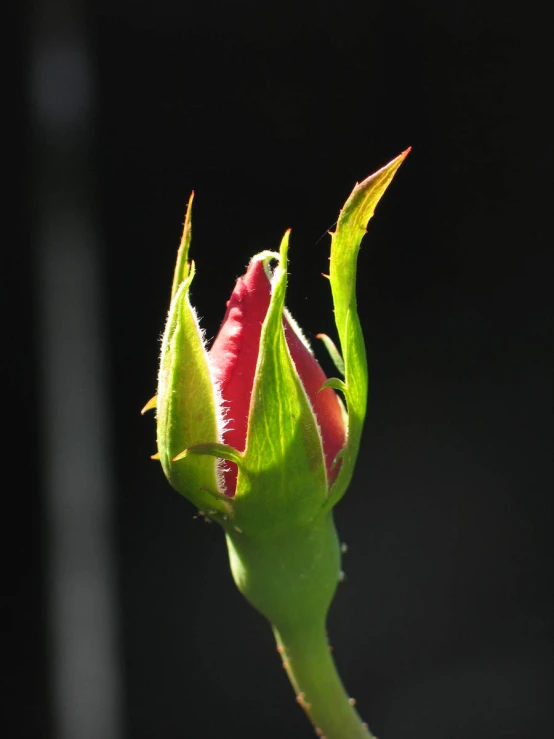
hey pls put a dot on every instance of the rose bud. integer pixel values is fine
(254, 434)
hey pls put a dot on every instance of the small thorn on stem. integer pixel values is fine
(301, 699)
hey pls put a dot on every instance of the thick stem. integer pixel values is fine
(291, 577)
(319, 691)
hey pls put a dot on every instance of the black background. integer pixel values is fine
(271, 112)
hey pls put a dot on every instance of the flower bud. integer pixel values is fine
(254, 434)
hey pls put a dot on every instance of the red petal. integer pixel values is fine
(325, 403)
(234, 355)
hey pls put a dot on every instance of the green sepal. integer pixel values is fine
(333, 352)
(182, 266)
(336, 384)
(219, 451)
(345, 246)
(282, 481)
(186, 405)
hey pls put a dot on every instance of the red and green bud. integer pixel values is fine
(253, 433)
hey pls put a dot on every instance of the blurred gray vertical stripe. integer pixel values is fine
(76, 472)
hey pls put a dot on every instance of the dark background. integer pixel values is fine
(271, 112)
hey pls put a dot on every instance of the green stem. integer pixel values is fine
(319, 690)
(291, 577)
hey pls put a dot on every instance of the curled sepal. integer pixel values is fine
(283, 480)
(336, 384)
(333, 352)
(187, 406)
(219, 451)
(345, 246)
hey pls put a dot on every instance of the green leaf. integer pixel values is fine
(283, 480)
(345, 246)
(187, 410)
